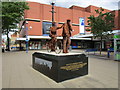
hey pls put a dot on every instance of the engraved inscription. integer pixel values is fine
(73, 66)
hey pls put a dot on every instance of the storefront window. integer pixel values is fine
(43, 43)
(46, 28)
(35, 45)
(118, 45)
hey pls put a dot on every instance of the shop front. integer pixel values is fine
(35, 44)
(82, 44)
(39, 43)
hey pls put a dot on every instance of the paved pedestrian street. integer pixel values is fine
(17, 72)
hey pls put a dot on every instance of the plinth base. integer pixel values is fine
(60, 67)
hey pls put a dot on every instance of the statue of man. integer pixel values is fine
(53, 35)
(66, 36)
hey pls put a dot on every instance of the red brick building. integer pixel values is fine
(41, 12)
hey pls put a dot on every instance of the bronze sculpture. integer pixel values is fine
(66, 35)
(53, 35)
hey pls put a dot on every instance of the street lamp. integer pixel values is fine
(27, 40)
(52, 3)
(30, 27)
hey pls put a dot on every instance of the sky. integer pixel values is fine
(107, 4)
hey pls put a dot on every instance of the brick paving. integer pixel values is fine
(17, 72)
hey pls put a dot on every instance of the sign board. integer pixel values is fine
(82, 25)
(117, 46)
(43, 62)
(46, 28)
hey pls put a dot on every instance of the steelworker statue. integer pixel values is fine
(66, 35)
(53, 35)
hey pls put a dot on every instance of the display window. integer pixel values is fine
(34, 45)
(46, 28)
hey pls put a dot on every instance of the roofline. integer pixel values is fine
(68, 7)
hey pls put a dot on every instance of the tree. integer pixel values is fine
(12, 14)
(102, 25)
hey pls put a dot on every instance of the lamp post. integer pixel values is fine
(52, 3)
(27, 40)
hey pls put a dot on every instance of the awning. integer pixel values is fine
(91, 35)
(31, 19)
(83, 36)
(20, 39)
(47, 37)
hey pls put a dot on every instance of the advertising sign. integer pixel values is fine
(117, 46)
(46, 28)
(82, 25)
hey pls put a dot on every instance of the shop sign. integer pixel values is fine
(82, 25)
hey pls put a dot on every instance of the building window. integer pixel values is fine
(46, 28)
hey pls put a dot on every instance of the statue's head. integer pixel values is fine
(68, 20)
(54, 23)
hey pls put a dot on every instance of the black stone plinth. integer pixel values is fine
(60, 67)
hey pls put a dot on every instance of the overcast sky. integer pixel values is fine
(107, 4)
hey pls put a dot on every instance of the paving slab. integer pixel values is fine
(17, 72)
